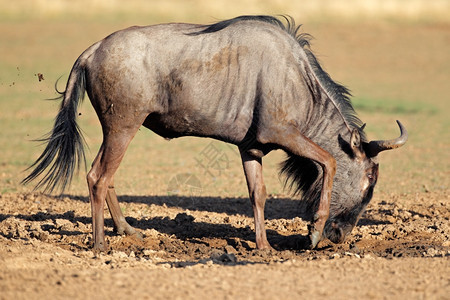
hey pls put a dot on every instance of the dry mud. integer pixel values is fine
(204, 247)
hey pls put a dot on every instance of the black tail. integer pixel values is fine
(65, 143)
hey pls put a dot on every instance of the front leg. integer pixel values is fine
(321, 216)
(257, 192)
(293, 141)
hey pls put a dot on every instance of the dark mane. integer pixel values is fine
(304, 176)
(225, 23)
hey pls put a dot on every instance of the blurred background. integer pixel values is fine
(203, 10)
(393, 55)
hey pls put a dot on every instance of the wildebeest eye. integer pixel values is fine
(370, 177)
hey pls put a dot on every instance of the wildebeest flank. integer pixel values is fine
(251, 81)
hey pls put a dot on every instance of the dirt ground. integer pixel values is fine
(199, 234)
(198, 247)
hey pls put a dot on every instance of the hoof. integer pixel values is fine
(314, 237)
(128, 230)
(99, 247)
(265, 248)
(263, 245)
(137, 235)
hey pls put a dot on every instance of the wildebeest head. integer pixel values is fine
(354, 183)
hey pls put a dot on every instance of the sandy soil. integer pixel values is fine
(198, 247)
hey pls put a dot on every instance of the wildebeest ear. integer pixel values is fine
(355, 141)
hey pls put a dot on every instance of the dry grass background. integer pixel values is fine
(202, 10)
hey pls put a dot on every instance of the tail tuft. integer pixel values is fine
(65, 143)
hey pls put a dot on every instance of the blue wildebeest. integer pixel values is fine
(250, 81)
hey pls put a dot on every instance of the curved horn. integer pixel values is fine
(375, 147)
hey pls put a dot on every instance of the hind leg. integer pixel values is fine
(121, 226)
(100, 177)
